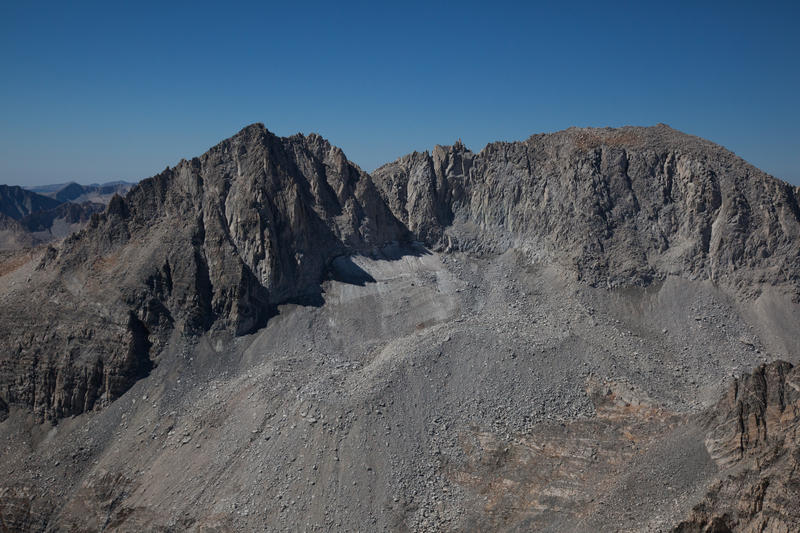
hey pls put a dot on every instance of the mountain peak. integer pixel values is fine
(616, 206)
(212, 244)
(16, 202)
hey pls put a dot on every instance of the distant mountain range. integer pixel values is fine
(16, 202)
(34, 215)
(75, 192)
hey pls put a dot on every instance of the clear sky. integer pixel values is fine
(113, 90)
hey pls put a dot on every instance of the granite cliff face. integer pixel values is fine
(251, 223)
(214, 243)
(754, 433)
(615, 206)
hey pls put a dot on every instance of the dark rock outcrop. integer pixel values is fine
(3, 410)
(754, 434)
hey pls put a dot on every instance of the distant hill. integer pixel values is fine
(60, 221)
(16, 202)
(28, 218)
(75, 192)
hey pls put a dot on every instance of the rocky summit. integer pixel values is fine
(615, 206)
(589, 330)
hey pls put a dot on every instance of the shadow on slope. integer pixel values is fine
(345, 269)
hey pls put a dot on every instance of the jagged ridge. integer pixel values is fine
(616, 206)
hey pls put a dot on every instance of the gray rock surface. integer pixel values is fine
(615, 206)
(754, 432)
(254, 340)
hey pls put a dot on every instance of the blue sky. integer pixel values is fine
(103, 91)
